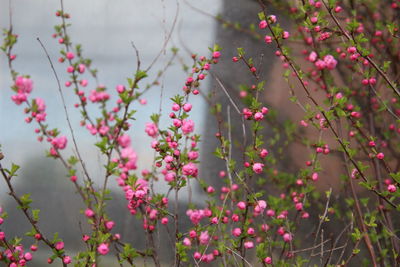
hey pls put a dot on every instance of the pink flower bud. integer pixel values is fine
(263, 24)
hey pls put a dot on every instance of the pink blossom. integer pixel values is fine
(187, 126)
(241, 205)
(264, 153)
(392, 188)
(313, 56)
(89, 213)
(268, 260)
(236, 232)
(190, 169)
(59, 245)
(23, 84)
(285, 35)
(67, 260)
(197, 255)
(258, 116)
(192, 155)
(130, 155)
(59, 142)
(320, 64)
(272, 19)
(260, 207)
(153, 214)
(330, 62)
(151, 129)
(287, 237)
(251, 231)
(81, 68)
(187, 242)
(109, 225)
(69, 55)
(19, 98)
(187, 107)
(28, 256)
(103, 249)
(204, 238)
(268, 39)
(216, 54)
(169, 177)
(124, 141)
(263, 24)
(168, 159)
(258, 167)
(249, 244)
(40, 104)
(195, 215)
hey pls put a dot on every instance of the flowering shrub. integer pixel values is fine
(350, 52)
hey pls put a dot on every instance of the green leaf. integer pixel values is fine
(35, 214)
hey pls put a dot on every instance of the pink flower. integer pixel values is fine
(236, 232)
(272, 18)
(299, 206)
(124, 140)
(216, 54)
(330, 62)
(249, 244)
(287, 237)
(23, 84)
(131, 157)
(190, 169)
(195, 215)
(69, 55)
(103, 249)
(81, 68)
(392, 188)
(250, 231)
(40, 104)
(263, 24)
(268, 260)
(264, 153)
(89, 213)
(67, 260)
(258, 116)
(204, 238)
(313, 56)
(187, 242)
(169, 177)
(260, 207)
(241, 205)
(59, 245)
(59, 142)
(268, 39)
(258, 167)
(28, 256)
(187, 126)
(109, 225)
(192, 155)
(320, 64)
(187, 107)
(285, 35)
(19, 98)
(164, 220)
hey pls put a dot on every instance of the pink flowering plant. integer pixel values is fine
(346, 81)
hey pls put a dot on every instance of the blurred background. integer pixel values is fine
(105, 29)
